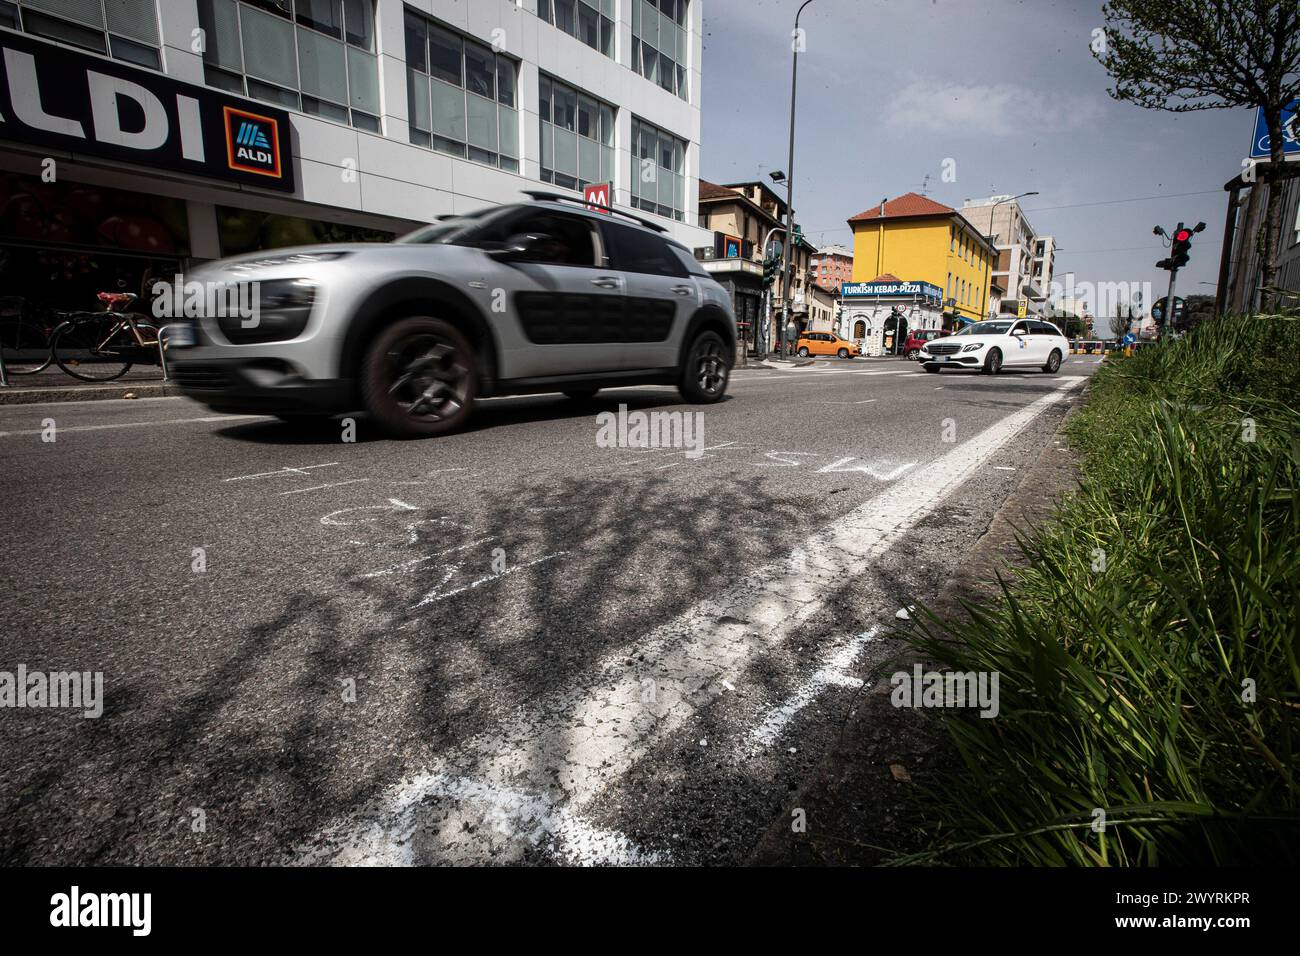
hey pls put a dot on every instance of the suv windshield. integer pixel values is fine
(986, 328)
(451, 230)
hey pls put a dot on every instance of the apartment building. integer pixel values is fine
(138, 136)
(1025, 260)
(832, 267)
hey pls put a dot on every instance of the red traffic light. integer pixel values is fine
(1183, 235)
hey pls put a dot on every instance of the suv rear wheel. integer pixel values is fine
(704, 377)
(419, 378)
(803, 352)
(1053, 362)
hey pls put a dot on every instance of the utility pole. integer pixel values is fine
(796, 40)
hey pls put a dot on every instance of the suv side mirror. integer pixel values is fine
(522, 246)
(1018, 333)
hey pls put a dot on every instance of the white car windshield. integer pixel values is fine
(986, 328)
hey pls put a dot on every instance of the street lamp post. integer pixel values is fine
(786, 274)
(987, 269)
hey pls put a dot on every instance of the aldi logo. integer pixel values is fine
(252, 142)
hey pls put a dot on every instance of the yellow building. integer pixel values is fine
(920, 240)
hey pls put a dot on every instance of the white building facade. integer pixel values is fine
(211, 127)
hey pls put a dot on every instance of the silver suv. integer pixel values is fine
(544, 296)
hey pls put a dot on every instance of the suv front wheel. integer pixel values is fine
(704, 377)
(419, 378)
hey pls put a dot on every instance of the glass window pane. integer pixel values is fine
(273, 94)
(606, 125)
(321, 66)
(566, 107)
(588, 117)
(588, 26)
(681, 46)
(607, 36)
(444, 55)
(651, 59)
(505, 81)
(665, 157)
(417, 96)
(269, 47)
(319, 107)
(509, 126)
(588, 160)
(544, 100)
(548, 146)
(565, 18)
(359, 19)
(679, 157)
(649, 24)
(679, 192)
(667, 35)
(482, 123)
(448, 110)
(134, 52)
(636, 18)
(566, 153)
(323, 15)
(363, 78)
(480, 70)
(417, 44)
(220, 25)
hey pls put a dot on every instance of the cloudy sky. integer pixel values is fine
(890, 89)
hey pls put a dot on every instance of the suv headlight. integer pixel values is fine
(270, 311)
(974, 347)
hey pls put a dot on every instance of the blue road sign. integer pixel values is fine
(1259, 147)
(1130, 338)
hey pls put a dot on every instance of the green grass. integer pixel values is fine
(1122, 689)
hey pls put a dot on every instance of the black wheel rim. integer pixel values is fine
(995, 362)
(1054, 362)
(429, 378)
(77, 349)
(711, 368)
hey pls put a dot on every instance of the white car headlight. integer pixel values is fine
(974, 347)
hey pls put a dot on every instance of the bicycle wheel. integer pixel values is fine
(90, 349)
(24, 347)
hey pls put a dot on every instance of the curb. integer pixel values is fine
(89, 393)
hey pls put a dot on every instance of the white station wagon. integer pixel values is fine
(996, 344)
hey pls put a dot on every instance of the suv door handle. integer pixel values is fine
(683, 290)
(606, 282)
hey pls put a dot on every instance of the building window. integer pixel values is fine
(314, 56)
(124, 29)
(591, 21)
(462, 96)
(659, 42)
(658, 171)
(577, 136)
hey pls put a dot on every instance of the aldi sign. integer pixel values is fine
(59, 99)
(892, 290)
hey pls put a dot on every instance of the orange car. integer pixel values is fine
(826, 343)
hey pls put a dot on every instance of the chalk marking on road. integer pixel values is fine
(63, 429)
(332, 484)
(517, 815)
(281, 472)
(416, 562)
(574, 743)
(883, 470)
(394, 504)
(434, 596)
(1003, 468)
(778, 462)
(830, 674)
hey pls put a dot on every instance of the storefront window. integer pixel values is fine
(658, 171)
(62, 242)
(124, 29)
(462, 95)
(314, 56)
(247, 230)
(659, 42)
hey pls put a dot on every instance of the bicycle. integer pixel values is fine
(24, 339)
(102, 346)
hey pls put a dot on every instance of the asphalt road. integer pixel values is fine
(506, 644)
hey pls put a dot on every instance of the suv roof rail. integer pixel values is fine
(542, 195)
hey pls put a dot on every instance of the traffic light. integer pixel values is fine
(1180, 247)
(771, 268)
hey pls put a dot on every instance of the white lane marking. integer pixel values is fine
(1003, 468)
(897, 371)
(830, 674)
(883, 470)
(515, 815)
(281, 472)
(574, 743)
(170, 421)
(332, 484)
